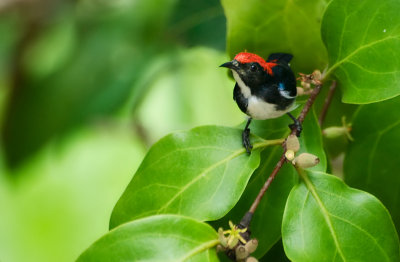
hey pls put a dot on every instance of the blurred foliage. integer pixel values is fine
(85, 86)
(87, 59)
(191, 93)
(62, 199)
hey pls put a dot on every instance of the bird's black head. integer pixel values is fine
(250, 68)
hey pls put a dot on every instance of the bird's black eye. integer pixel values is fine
(253, 67)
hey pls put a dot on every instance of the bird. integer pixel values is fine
(264, 89)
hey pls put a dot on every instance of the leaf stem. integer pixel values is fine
(327, 103)
(245, 222)
(266, 143)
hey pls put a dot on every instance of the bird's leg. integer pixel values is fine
(246, 137)
(296, 125)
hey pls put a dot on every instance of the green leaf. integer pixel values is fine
(156, 238)
(199, 173)
(376, 132)
(267, 220)
(363, 39)
(325, 220)
(264, 27)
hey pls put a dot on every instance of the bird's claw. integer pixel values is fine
(296, 126)
(246, 140)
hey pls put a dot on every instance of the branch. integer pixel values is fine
(327, 103)
(267, 183)
(245, 222)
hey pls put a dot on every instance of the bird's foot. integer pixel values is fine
(246, 140)
(296, 126)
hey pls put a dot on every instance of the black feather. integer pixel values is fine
(280, 57)
(241, 101)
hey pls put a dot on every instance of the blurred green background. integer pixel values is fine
(85, 88)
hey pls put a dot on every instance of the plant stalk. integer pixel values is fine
(245, 222)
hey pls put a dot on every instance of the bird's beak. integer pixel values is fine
(231, 65)
(227, 65)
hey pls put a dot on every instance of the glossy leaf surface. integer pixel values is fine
(325, 220)
(267, 26)
(371, 162)
(157, 238)
(363, 39)
(199, 173)
(267, 220)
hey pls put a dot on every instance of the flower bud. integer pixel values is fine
(305, 160)
(300, 91)
(337, 131)
(289, 154)
(251, 259)
(292, 143)
(241, 252)
(252, 245)
(306, 85)
(334, 131)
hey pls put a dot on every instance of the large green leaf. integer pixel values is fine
(363, 39)
(264, 27)
(325, 220)
(199, 173)
(157, 238)
(371, 162)
(266, 223)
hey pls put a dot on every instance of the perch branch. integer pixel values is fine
(245, 222)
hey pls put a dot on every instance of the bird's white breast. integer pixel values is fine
(259, 109)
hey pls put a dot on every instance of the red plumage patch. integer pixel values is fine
(245, 58)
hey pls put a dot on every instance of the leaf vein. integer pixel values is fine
(201, 175)
(357, 50)
(200, 249)
(301, 221)
(363, 231)
(370, 71)
(324, 212)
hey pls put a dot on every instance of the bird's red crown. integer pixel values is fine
(245, 57)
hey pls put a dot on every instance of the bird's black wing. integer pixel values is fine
(279, 94)
(241, 101)
(281, 58)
